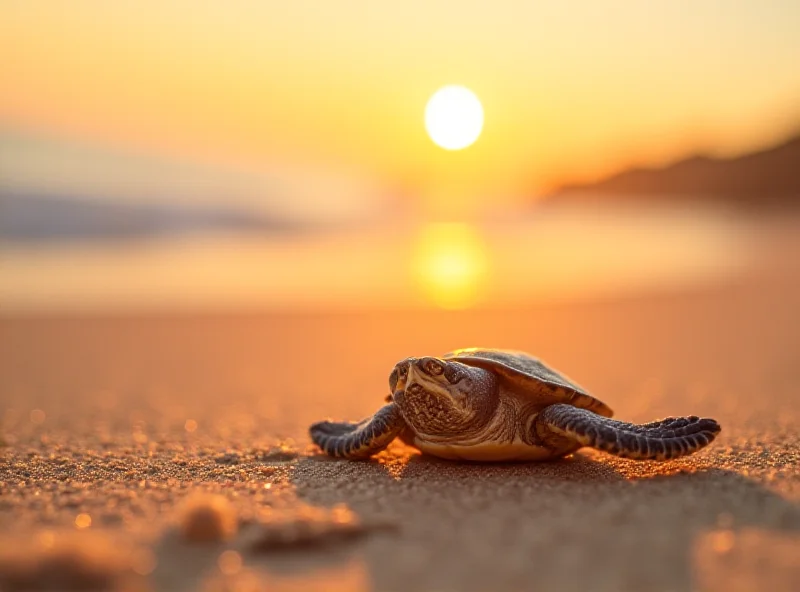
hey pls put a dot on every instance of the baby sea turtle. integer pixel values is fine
(499, 405)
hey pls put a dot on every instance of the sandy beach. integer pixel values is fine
(115, 428)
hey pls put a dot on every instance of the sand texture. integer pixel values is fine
(170, 453)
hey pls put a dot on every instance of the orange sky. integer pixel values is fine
(571, 90)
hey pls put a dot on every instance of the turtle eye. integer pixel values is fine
(452, 373)
(433, 367)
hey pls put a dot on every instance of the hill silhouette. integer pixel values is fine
(768, 177)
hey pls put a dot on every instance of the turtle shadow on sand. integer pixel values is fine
(585, 522)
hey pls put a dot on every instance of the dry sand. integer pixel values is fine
(114, 430)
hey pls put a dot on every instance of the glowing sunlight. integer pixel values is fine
(454, 117)
(449, 264)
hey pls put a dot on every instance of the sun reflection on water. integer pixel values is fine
(450, 264)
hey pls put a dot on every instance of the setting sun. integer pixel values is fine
(454, 117)
(450, 262)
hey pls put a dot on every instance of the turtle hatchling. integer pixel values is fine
(499, 405)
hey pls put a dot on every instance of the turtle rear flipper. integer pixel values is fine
(362, 439)
(661, 440)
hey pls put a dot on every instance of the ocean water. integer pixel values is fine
(552, 254)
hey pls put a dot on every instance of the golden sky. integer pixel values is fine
(571, 90)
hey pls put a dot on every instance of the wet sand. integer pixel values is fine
(122, 420)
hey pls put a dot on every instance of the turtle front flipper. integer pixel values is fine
(661, 440)
(362, 439)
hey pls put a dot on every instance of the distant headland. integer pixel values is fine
(767, 178)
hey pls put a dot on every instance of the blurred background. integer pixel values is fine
(253, 154)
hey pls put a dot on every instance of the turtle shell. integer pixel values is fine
(530, 377)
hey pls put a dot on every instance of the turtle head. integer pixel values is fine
(443, 398)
